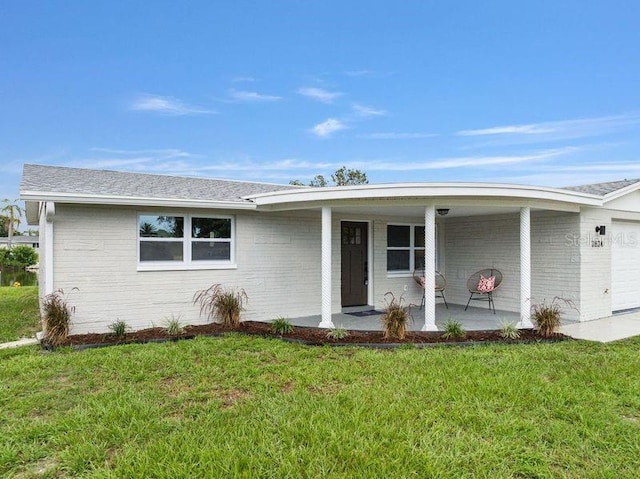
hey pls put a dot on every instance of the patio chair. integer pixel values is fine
(482, 284)
(439, 287)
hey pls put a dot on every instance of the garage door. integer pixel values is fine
(625, 261)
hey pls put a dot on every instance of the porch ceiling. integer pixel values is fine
(418, 211)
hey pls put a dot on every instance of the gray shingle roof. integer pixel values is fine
(603, 188)
(61, 180)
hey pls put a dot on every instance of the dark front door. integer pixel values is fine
(354, 263)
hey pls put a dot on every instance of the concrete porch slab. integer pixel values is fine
(472, 319)
(613, 328)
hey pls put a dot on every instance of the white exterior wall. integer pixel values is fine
(479, 242)
(595, 266)
(278, 264)
(278, 258)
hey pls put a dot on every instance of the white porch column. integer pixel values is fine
(326, 269)
(525, 268)
(429, 268)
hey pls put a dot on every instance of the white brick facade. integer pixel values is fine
(278, 264)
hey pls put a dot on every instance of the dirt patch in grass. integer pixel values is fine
(306, 335)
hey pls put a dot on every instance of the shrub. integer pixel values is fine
(225, 305)
(281, 326)
(395, 317)
(547, 316)
(56, 314)
(173, 327)
(337, 333)
(119, 328)
(453, 330)
(509, 331)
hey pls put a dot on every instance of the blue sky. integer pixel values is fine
(539, 93)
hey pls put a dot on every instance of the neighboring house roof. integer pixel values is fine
(53, 183)
(602, 189)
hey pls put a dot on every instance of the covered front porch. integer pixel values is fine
(374, 238)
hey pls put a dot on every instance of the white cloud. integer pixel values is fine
(252, 96)
(563, 129)
(151, 160)
(166, 105)
(396, 136)
(358, 73)
(328, 127)
(319, 94)
(367, 111)
(502, 130)
(241, 79)
(397, 164)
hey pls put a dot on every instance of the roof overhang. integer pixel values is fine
(420, 194)
(621, 192)
(37, 196)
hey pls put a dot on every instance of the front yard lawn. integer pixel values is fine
(242, 406)
(19, 315)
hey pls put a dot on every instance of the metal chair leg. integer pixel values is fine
(465, 308)
(445, 300)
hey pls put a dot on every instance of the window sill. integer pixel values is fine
(399, 274)
(185, 267)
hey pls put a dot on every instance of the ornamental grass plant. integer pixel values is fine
(56, 315)
(396, 317)
(222, 304)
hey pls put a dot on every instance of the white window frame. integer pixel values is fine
(187, 263)
(412, 249)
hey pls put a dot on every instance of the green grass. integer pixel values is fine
(252, 407)
(19, 315)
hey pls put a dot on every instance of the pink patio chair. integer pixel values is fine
(439, 287)
(482, 284)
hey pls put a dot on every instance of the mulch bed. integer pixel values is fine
(306, 335)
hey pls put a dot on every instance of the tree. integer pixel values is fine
(342, 177)
(347, 176)
(11, 212)
(20, 255)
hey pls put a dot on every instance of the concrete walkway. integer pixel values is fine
(19, 342)
(613, 328)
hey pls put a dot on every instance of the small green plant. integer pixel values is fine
(509, 330)
(395, 317)
(224, 305)
(337, 333)
(281, 326)
(173, 326)
(453, 330)
(119, 328)
(56, 314)
(547, 316)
